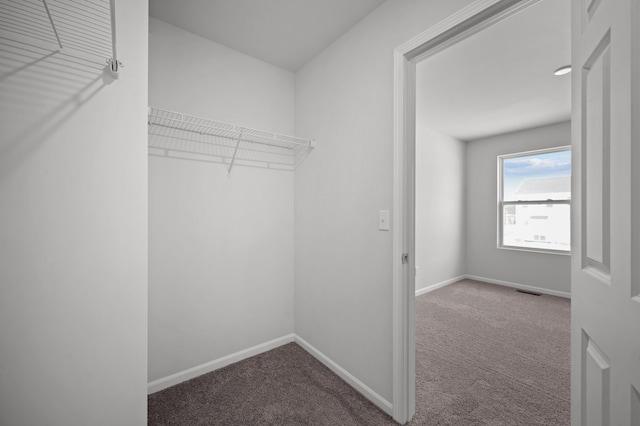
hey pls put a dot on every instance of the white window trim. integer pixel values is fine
(502, 203)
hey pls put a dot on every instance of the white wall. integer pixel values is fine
(484, 259)
(220, 247)
(440, 206)
(73, 235)
(343, 275)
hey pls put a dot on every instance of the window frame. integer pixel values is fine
(501, 203)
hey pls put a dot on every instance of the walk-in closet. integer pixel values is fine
(220, 204)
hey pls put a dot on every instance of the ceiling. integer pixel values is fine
(501, 79)
(286, 33)
(497, 81)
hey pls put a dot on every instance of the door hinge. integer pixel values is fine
(405, 258)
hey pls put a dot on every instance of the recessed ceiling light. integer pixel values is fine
(563, 70)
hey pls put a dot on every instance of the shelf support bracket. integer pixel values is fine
(235, 151)
(113, 62)
(53, 25)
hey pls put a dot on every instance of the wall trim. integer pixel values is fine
(440, 284)
(365, 390)
(520, 286)
(207, 367)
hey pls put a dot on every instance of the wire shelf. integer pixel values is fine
(82, 30)
(232, 144)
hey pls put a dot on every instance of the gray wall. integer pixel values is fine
(484, 259)
(343, 272)
(73, 239)
(440, 206)
(220, 247)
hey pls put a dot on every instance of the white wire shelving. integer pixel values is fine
(188, 136)
(81, 30)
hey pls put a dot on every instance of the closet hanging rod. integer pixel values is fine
(189, 123)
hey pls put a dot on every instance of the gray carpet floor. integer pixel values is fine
(486, 355)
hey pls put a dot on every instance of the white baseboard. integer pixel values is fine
(174, 379)
(439, 285)
(520, 286)
(365, 390)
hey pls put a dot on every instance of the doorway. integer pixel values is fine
(495, 95)
(469, 21)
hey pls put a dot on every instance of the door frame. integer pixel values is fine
(468, 21)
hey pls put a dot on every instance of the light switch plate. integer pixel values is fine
(383, 220)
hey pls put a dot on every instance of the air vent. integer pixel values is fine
(533, 293)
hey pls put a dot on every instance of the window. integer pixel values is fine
(534, 200)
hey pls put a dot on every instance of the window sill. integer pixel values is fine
(535, 250)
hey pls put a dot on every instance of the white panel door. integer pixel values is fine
(605, 284)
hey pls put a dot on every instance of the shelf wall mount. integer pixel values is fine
(114, 64)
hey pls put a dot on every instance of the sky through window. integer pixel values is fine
(538, 166)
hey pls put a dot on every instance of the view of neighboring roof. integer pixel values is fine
(552, 185)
